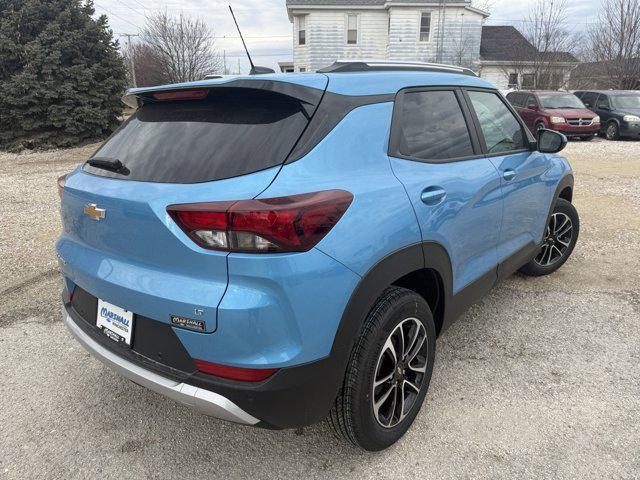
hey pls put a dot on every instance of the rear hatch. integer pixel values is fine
(226, 142)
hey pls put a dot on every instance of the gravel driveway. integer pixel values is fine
(539, 380)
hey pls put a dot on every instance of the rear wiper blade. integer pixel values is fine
(111, 164)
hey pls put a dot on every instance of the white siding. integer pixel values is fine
(327, 37)
(392, 34)
(499, 75)
(458, 40)
(496, 75)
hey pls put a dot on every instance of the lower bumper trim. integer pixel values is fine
(204, 401)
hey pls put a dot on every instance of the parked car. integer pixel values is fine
(560, 111)
(276, 249)
(619, 111)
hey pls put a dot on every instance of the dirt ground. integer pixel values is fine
(539, 380)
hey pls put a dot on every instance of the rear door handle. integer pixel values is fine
(433, 195)
(509, 174)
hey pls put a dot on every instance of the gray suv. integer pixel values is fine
(619, 111)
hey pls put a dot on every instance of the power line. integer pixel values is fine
(117, 16)
(131, 8)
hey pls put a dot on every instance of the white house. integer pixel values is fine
(445, 31)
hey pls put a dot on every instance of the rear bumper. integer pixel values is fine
(293, 397)
(204, 401)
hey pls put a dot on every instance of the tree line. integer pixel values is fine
(608, 50)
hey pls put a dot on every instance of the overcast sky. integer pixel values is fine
(266, 26)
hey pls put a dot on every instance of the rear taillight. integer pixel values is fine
(61, 181)
(273, 225)
(235, 373)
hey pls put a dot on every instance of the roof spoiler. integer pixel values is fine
(309, 98)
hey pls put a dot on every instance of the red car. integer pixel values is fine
(560, 111)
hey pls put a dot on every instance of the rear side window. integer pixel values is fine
(232, 132)
(501, 130)
(432, 126)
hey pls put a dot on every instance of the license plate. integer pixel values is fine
(115, 322)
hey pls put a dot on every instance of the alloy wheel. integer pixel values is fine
(612, 131)
(400, 372)
(557, 240)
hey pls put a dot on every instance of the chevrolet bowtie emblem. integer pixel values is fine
(94, 212)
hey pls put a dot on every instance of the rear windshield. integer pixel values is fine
(232, 132)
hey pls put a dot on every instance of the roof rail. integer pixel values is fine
(344, 66)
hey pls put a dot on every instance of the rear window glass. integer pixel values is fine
(230, 133)
(432, 126)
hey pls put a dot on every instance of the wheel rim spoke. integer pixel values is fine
(385, 379)
(400, 372)
(557, 240)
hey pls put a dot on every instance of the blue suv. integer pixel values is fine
(279, 249)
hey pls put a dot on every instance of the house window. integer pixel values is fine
(544, 81)
(302, 69)
(302, 30)
(513, 80)
(352, 29)
(425, 26)
(528, 80)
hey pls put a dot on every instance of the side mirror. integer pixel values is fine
(532, 106)
(550, 141)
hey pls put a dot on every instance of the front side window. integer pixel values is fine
(603, 102)
(589, 99)
(432, 127)
(531, 100)
(352, 29)
(425, 26)
(302, 30)
(501, 130)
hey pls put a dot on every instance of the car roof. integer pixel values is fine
(546, 92)
(347, 83)
(610, 92)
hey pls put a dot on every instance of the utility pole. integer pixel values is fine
(131, 62)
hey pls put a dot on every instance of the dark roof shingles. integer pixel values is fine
(506, 43)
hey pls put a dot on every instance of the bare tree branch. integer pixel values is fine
(544, 60)
(184, 48)
(615, 43)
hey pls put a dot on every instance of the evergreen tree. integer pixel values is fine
(61, 75)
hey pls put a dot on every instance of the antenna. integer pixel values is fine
(254, 70)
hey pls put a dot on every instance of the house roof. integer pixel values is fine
(504, 43)
(363, 3)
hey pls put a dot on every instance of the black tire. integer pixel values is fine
(354, 416)
(612, 131)
(556, 245)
